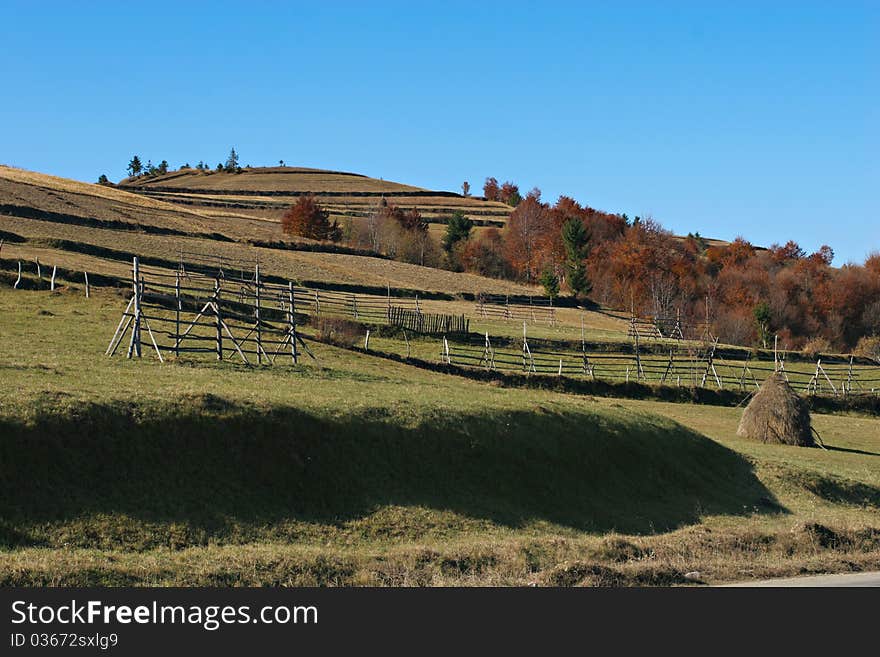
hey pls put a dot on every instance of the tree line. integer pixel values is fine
(747, 293)
(137, 169)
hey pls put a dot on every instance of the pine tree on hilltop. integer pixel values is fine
(232, 161)
(135, 167)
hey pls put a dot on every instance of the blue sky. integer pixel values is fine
(726, 118)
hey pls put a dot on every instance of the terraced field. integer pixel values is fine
(265, 193)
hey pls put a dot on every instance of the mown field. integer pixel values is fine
(266, 192)
(360, 470)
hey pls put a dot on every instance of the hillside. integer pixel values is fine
(421, 459)
(266, 192)
(72, 221)
(363, 471)
(86, 227)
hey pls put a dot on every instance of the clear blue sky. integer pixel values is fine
(721, 117)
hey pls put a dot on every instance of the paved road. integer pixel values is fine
(849, 579)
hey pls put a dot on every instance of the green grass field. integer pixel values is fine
(360, 470)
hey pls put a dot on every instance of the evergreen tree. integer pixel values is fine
(550, 281)
(102, 180)
(135, 167)
(761, 313)
(575, 239)
(458, 228)
(232, 161)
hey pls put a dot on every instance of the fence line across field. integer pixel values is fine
(247, 316)
(696, 368)
(220, 321)
(237, 314)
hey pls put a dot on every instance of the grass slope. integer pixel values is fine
(366, 471)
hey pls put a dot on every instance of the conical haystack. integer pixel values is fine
(777, 415)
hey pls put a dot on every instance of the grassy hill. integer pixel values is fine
(94, 228)
(360, 470)
(361, 467)
(39, 208)
(266, 192)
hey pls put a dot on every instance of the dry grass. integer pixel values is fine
(294, 265)
(224, 187)
(58, 184)
(273, 179)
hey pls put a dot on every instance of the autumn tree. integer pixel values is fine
(646, 266)
(524, 231)
(484, 255)
(872, 262)
(403, 235)
(490, 189)
(788, 252)
(306, 218)
(509, 193)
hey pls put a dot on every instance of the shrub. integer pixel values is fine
(868, 347)
(336, 330)
(815, 347)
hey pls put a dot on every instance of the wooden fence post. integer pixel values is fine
(294, 352)
(177, 313)
(135, 344)
(847, 388)
(218, 318)
(257, 314)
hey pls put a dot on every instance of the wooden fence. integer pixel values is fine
(235, 314)
(427, 323)
(535, 309)
(705, 366)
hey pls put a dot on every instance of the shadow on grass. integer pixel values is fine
(850, 450)
(204, 465)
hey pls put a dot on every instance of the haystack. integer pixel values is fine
(777, 415)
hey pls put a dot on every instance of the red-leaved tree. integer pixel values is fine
(306, 218)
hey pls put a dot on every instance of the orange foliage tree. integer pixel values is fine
(306, 218)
